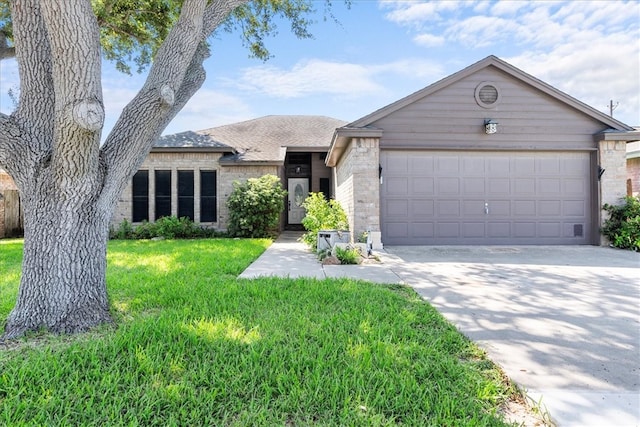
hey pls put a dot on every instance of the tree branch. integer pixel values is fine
(33, 54)
(174, 77)
(16, 154)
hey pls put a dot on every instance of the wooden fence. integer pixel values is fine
(10, 214)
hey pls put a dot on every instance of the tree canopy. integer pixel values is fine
(131, 31)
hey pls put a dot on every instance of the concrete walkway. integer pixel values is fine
(287, 257)
(563, 322)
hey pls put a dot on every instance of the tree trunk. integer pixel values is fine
(69, 183)
(63, 286)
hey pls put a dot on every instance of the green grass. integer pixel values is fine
(195, 346)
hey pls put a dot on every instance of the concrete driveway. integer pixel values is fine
(563, 322)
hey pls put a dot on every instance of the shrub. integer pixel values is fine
(321, 214)
(124, 231)
(348, 255)
(255, 206)
(169, 227)
(623, 226)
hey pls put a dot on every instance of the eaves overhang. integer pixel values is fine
(617, 135)
(341, 138)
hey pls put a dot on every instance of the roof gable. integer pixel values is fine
(491, 61)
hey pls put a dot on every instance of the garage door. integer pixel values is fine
(458, 198)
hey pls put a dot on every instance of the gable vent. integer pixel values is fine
(487, 94)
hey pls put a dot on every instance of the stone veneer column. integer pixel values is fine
(365, 166)
(613, 187)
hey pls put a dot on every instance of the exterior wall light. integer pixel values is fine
(490, 126)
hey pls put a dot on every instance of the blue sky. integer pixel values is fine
(384, 50)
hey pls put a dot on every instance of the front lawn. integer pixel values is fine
(194, 346)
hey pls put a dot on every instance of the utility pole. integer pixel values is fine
(612, 107)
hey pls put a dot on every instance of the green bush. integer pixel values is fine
(168, 227)
(321, 214)
(348, 255)
(623, 226)
(255, 206)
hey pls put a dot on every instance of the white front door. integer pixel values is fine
(298, 192)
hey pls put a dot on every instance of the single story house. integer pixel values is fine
(488, 155)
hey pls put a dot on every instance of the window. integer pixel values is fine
(208, 196)
(325, 187)
(163, 193)
(185, 194)
(140, 196)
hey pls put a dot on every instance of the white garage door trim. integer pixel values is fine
(486, 197)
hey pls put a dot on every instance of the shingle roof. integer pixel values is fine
(264, 139)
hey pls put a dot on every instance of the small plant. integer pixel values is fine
(255, 206)
(321, 214)
(348, 255)
(623, 226)
(124, 231)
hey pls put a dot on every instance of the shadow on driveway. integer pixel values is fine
(563, 322)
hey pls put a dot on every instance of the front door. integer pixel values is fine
(298, 192)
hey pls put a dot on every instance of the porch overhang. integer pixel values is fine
(341, 138)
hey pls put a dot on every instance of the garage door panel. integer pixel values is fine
(473, 208)
(473, 229)
(550, 208)
(422, 208)
(447, 165)
(524, 186)
(549, 186)
(421, 165)
(422, 230)
(448, 208)
(499, 186)
(473, 185)
(448, 229)
(499, 208)
(398, 208)
(448, 185)
(575, 208)
(531, 197)
(524, 207)
(398, 185)
(524, 229)
(549, 229)
(422, 185)
(499, 229)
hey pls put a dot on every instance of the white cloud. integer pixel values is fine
(343, 80)
(209, 108)
(429, 40)
(309, 77)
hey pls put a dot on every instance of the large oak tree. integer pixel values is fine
(69, 182)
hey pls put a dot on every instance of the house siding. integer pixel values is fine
(451, 118)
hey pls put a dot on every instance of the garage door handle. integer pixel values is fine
(486, 208)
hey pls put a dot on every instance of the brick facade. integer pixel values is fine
(196, 162)
(357, 184)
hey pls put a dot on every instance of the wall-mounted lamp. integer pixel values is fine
(490, 126)
(298, 169)
(600, 172)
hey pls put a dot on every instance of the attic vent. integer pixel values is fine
(487, 94)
